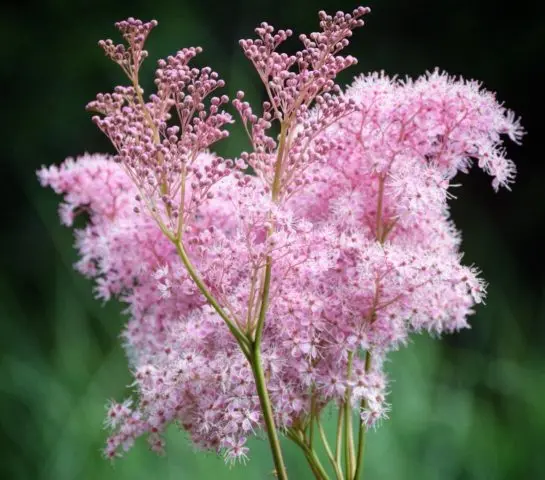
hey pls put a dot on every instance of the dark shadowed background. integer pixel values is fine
(470, 406)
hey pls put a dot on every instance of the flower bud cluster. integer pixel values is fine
(135, 33)
(161, 142)
(294, 83)
(317, 64)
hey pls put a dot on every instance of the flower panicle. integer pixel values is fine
(348, 212)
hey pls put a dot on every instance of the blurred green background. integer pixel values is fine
(471, 406)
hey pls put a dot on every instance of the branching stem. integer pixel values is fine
(362, 428)
(339, 436)
(255, 358)
(239, 336)
(349, 457)
(266, 408)
(334, 464)
(317, 468)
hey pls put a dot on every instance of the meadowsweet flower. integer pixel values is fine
(303, 275)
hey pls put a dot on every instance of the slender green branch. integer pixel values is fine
(310, 455)
(266, 408)
(268, 262)
(361, 445)
(313, 468)
(362, 428)
(382, 232)
(277, 181)
(312, 458)
(349, 456)
(239, 336)
(133, 76)
(261, 385)
(312, 414)
(255, 357)
(264, 301)
(339, 436)
(181, 208)
(379, 227)
(334, 464)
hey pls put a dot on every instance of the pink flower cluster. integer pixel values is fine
(357, 230)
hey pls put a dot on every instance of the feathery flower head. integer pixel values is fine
(345, 225)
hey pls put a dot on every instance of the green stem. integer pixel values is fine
(312, 458)
(268, 261)
(348, 431)
(311, 425)
(361, 432)
(379, 227)
(264, 301)
(335, 465)
(339, 436)
(315, 465)
(266, 409)
(361, 446)
(279, 160)
(255, 357)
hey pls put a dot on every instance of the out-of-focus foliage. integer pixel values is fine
(467, 407)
